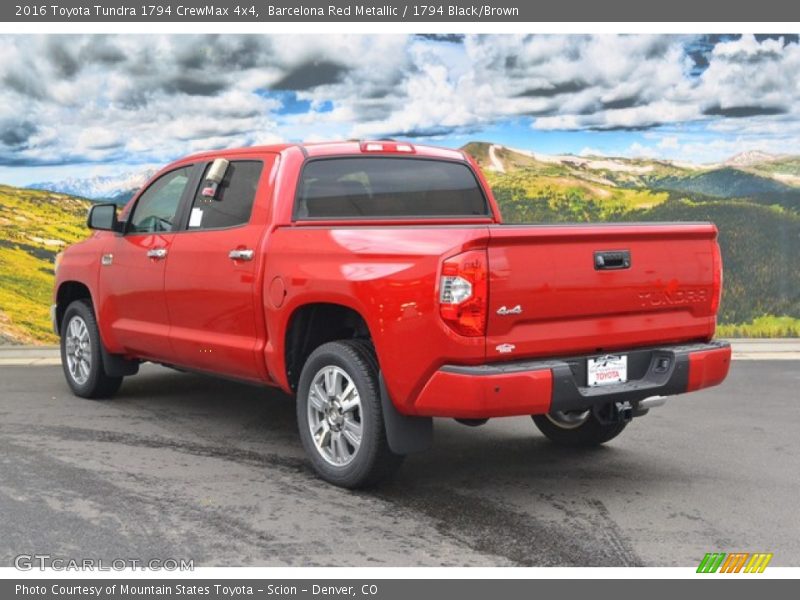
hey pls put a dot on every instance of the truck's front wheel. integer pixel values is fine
(81, 356)
(577, 428)
(340, 417)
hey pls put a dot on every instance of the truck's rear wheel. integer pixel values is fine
(340, 417)
(577, 428)
(81, 356)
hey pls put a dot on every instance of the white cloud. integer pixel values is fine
(639, 150)
(589, 151)
(157, 97)
(69, 99)
(669, 142)
(98, 138)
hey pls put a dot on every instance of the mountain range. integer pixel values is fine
(117, 188)
(747, 173)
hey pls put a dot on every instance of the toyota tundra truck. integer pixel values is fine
(377, 284)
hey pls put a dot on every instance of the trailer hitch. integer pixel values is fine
(613, 412)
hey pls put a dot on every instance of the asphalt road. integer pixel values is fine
(185, 466)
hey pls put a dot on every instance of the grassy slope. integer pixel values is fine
(766, 326)
(788, 166)
(34, 226)
(724, 183)
(759, 236)
(754, 181)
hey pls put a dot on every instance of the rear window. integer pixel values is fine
(381, 187)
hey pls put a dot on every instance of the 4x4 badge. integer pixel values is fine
(503, 310)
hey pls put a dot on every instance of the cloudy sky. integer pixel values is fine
(95, 105)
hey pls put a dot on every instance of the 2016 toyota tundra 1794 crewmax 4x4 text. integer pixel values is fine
(376, 282)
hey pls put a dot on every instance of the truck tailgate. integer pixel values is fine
(567, 289)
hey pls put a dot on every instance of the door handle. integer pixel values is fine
(241, 254)
(157, 253)
(612, 259)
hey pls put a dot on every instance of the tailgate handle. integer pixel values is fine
(607, 260)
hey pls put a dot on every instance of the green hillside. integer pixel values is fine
(34, 226)
(758, 218)
(788, 165)
(725, 182)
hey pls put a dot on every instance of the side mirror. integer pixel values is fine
(103, 217)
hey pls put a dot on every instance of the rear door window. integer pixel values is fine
(383, 187)
(233, 202)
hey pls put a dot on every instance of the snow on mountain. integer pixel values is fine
(751, 157)
(636, 166)
(99, 187)
(589, 162)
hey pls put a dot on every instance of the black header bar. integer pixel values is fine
(424, 11)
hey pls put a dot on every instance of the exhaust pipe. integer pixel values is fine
(644, 406)
(653, 402)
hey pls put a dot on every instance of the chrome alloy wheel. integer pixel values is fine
(334, 415)
(78, 350)
(570, 419)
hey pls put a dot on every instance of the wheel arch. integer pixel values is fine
(315, 323)
(405, 434)
(67, 293)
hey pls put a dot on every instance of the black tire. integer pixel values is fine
(373, 461)
(96, 384)
(589, 433)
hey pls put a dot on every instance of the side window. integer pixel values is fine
(157, 207)
(232, 203)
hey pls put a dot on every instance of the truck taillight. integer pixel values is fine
(463, 293)
(716, 292)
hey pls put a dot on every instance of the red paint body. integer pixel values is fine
(708, 368)
(469, 397)
(200, 310)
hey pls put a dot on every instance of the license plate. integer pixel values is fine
(607, 370)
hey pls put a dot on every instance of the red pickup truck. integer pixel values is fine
(376, 282)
